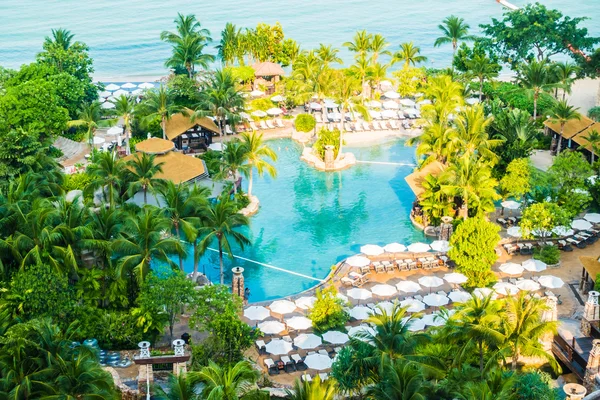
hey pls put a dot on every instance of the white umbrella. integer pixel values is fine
(388, 114)
(129, 85)
(307, 341)
(506, 288)
(271, 327)
(563, 231)
(430, 281)
(514, 231)
(115, 130)
(274, 111)
(511, 268)
(424, 102)
(394, 248)
(371, 250)
(408, 286)
(390, 105)
(112, 87)
(278, 98)
(459, 296)
(440, 245)
(484, 292)
(511, 204)
(360, 312)
(330, 104)
(528, 284)
(390, 94)
(419, 248)
(414, 325)
(282, 307)
(456, 278)
(385, 84)
(342, 297)
(355, 330)
(384, 290)
(433, 320)
(256, 313)
(98, 140)
(373, 104)
(435, 300)
(146, 85)
(137, 92)
(407, 102)
(104, 93)
(107, 106)
(305, 302)
(534, 265)
(335, 337)
(299, 323)
(358, 261)
(592, 217)
(386, 306)
(259, 113)
(315, 106)
(375, 114)
(359, 294)
(120, 92)
(216, 146)
(246, 116)
(411, 111)
(413, 305)
(278, 347)
(551, 282)
(257, 93)
(318, 361)
(580, 224)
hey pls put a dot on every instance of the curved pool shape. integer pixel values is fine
(309, 220)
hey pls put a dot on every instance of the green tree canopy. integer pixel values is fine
(517, 181)
(305, 123)
(540, 218)
(328, 311)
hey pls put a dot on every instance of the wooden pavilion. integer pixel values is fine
(188, 135)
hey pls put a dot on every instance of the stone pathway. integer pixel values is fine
(73, 152)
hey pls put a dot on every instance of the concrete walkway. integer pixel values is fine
(541, 159)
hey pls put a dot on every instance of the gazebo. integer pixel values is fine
(589, 273)
(190, 135)
(267, 74)
(573, 132)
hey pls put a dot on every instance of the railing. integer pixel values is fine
(567, 353)
(594, 331)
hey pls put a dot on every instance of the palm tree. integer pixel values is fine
(221, 98)
(454, 30)
(565, 74)
(107, 172)
(60, 37)
(229, 47)
(535, 78)
(437, 143)
(328, 55)
(496, 386)
(315, 390)
(219, 221)
(233, 161)
(594, 140)
(346, 89)
(361, 43)
(434, 202)
(361, 70)
(142, 174)
(483, 68)
(472, 133)
(377, 73)
(409, 54)
(124, 108)
(400, 381)
(179, 387)
(142, 243)
(562, 113)
(377, 47)
(228, 383)
(189, 52)
(160, 103)
(186, 25)
(88, 116)
(256, 154)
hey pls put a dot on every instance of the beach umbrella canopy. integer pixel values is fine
(259, 113)
(430, 281)
(408, 286)
(307, 341)
(115, 130)
(433, 320)
(315, 106)
(371, 250)
(388, 114)
(375, 114)
(271, 327)
(318, 361)
(528, 284)
(484, 292)
(335, 337)
(506, 288)
(594, 218)
(424, 102)
(390, 105)
(257, 93)
(120, 92)
(98, 140)
(373, 104)
(246, 116)
(299, 323)
(129, 85)
(390, 94)
(551, 282)
(514, 231)
(387, 306)
(534, 265)
(394, 248)
(580, 224)
(146, 85)
(472, 101)
(282, 307)
(459, 296)
(112, 87)
(384, 290)
(511, 268)
(456, 278)
(278, 347)
(360, 312)
(216, 146)
(419, 248)
(137, 92)
(407, 102)
(342, 297)
(274, 111)
(107, 106)
(359, 294)
(305, 302)
(256, 313)
(414, 325)
(563, 231)
(413, 305)
(277, 98)
(356, 330)
(104, 93)
(511, 204)
(440, 245)
(435, 300)
(358, 261)
(330, 104)
(411, 111)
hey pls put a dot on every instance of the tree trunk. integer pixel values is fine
(480, 89)
(559, 142)
(145, 195)
(339, 154)
(250, 182)
(128, 138)
(195, 259)
(179, 240)
(535, 99)
(481, 358)
(164, 127)
(515, 358)
(221, 273)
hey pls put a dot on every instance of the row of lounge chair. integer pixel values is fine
(508, 222)
(267, 124)
(294, 362)
(580, 240)
(363, 126)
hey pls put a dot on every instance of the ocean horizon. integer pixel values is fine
(124, 36)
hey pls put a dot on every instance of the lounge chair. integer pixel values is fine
(286, 338)
(358, 127)
(261, 346)
(306, 378)
(359, 277)
(376, 126)
(367, 126)
(347, 127)
(502, 222)
(228, 130)
(279, 123)
(512, 220)
(318, 118)
(402, 265)
(253, 126)
(323, 352)
(378, 267)
(564, 246)
(271, 367)
(350, 282)
(389, 267)
(288, 364)
(323, 376)
(393, 125)
(299, 362)
(263, 125)
(270, 124)
(365, 269)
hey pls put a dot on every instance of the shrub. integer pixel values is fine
(594, 113)
(261, 104)
(212, 159)
(327, 138)
(512, 95)
(534, 385)
(547, 254)
(76, 181)
(305, 123)
(328, 312)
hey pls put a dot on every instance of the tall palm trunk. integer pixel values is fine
(221, 272)
(163, 124)
(480, 88)
(339, 154)
(535, 100)
(250, 182)
(515, 359)
(481, 357)
(145, 189)
(196, 259)
(558, 145)
(179, 240)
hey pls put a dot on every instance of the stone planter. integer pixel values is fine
(251, 208)
(553, 266)
(346, 160)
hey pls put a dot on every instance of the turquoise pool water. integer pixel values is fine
(309, 220)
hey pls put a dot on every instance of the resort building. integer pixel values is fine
(267, 74)
(573, 134)
(190, 136)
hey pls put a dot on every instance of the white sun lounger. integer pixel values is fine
(263, 125)
(358, 127)
(279, 123)
(367, 126)
(270, 124)
(228, 130)
(254, 127)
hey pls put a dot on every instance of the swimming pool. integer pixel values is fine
(309, 220)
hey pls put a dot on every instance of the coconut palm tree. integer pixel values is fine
(328, 55)
(257, 153)
(361, 43)
(561, 114)
(408, 54)
(436, 143)
(496, 386)
(88, 117)
(229, 48)
(314, 390)
(142, 172)
(179, 387)
(481, 67)
(454, 30)
(377, 73)
(535, 78)
(160, 103)
(189, 52)
(221, 98)
(400, 381)
(472, 127)
(60, 37)
(228, 383)
(124, 108)
(346, 89)
(186, 25)
(107, 173)
(361, 69)
(565, 74)
(434, 202)
(233, 161)
(378, 47)
(593, 137)
(219, 221)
